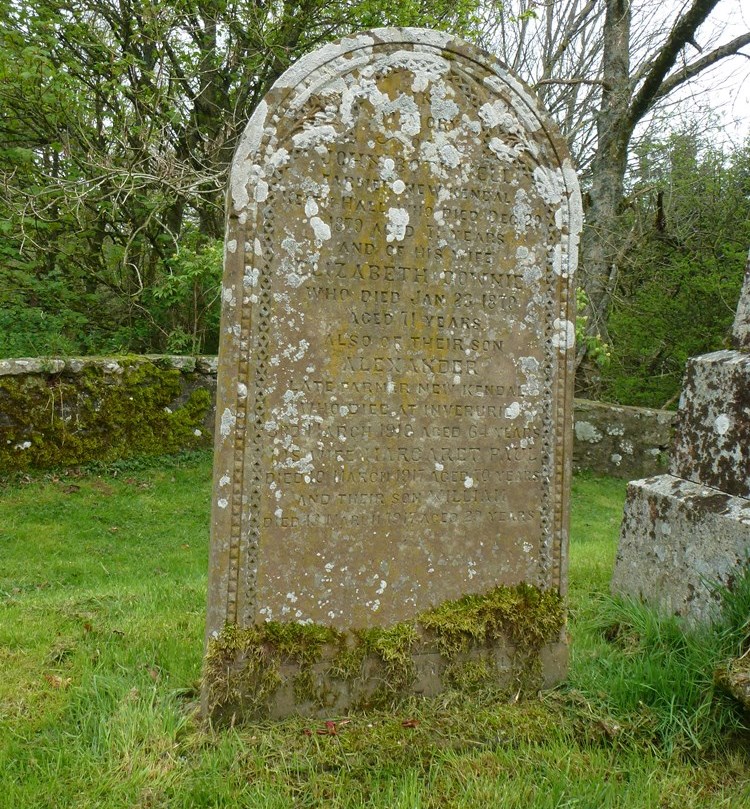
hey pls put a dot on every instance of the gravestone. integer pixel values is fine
(395, 378)
(687, 532)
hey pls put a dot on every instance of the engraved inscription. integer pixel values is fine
(400, 319)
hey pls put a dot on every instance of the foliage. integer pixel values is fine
(597, 351)
(678, 285)
(117, 126)
(188, 295)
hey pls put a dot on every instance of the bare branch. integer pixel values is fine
(682, 32)
(694, 68)
(572, 81)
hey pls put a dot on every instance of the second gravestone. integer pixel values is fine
(395, 383)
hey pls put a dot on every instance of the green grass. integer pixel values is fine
(102, 603)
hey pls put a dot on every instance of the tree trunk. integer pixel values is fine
(600, 237)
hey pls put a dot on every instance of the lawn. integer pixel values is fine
(102, 603)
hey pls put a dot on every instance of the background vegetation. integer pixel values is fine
(688, 216)
(118, 119)
(102, 608)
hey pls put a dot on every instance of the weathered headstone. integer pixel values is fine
(395, 375)
(686, 532)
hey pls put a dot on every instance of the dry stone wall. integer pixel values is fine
(624, 442)
(63, 412)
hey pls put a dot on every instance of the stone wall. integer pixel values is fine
(63, 412)
(55, 412)
(624, 442)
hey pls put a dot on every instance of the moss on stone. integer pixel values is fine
(393, 647)
(132, 407)
(243, 666)
(470, 675)
(527, 616)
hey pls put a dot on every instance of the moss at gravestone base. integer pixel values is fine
(243, 666)
(66, 419)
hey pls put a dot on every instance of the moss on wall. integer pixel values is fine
(244, 668)
(103, 412)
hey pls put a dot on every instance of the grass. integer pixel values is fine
(102, 603)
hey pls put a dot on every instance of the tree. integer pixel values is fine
(677, 292)
(601, 67)
(118, 119)
(627, 97)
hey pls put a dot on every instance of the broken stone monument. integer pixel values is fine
(687, 532)
(393, 446)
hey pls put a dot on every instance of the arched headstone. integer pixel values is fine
(395, 371)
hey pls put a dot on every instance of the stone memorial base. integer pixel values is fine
(679, 539)
(511, 638)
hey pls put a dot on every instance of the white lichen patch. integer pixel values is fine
(524, 105)
(521, 212)
(527, 263)
(513, 410)
(260, 192)
(549, 183)
(531, 369)
(505, 152)
(250, 278)
(315, 136)
(228, 420)
(449, 155)
(296, 352)
(564, 336)
(321, 230)
(586, 431)
(398, 219)
(242, 167)
(387, 169)
(442, 107)
(722, 424)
